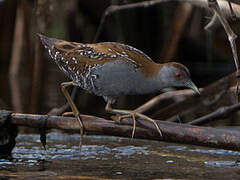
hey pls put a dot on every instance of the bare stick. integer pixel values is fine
(232, 12)
(234, 1)
(222, 112)
(162, 97)
(214, 20)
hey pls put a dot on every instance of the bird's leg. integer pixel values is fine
(125, 112)
(75, 111)
(131, 113)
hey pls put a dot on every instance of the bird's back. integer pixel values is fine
(85, 63)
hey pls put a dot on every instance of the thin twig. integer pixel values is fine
(210, 96)
(222, 112)
(234, 17)
(202, 3)
(162, 97)
(214, 20)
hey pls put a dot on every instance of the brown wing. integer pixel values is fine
(125, 51)
(80, 56)
(131, 55)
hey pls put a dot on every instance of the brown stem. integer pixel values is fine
(17, 43)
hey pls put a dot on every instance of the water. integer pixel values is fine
(115, 158)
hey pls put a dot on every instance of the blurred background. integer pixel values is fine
(30, 80)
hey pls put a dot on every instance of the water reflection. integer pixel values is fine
(220, 163)
(217, 152)
(29, 147)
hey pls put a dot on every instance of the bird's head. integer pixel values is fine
(177, 75)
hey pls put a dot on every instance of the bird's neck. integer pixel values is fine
(162, 79)
(151, 69)
(153, 79)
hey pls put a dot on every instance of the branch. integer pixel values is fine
(209, 98)
(222, 112)
(162, 97)
(172, 132)
(220, 10)
(213, 4)
(201, 3)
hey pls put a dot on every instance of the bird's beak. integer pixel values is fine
(192, 86)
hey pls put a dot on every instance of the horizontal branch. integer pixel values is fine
(162, 97)
(172, 132)
(220, 113)
(201, 3)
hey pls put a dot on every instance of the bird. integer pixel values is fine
(112, 69)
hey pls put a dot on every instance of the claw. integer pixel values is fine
(129, 113)
(68, 114)
(134, 121)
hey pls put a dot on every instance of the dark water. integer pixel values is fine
(115, 158)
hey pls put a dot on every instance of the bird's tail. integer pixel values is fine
(47, 42)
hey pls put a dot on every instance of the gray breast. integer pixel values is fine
(118, 78)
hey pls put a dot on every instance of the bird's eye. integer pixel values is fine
(178, 75)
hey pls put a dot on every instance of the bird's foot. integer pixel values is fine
(135, 114)
(131, 114)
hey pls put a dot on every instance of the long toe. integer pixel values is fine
(68, 114)
(151, 120)
(132, 114)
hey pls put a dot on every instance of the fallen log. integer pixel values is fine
(172, 132)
